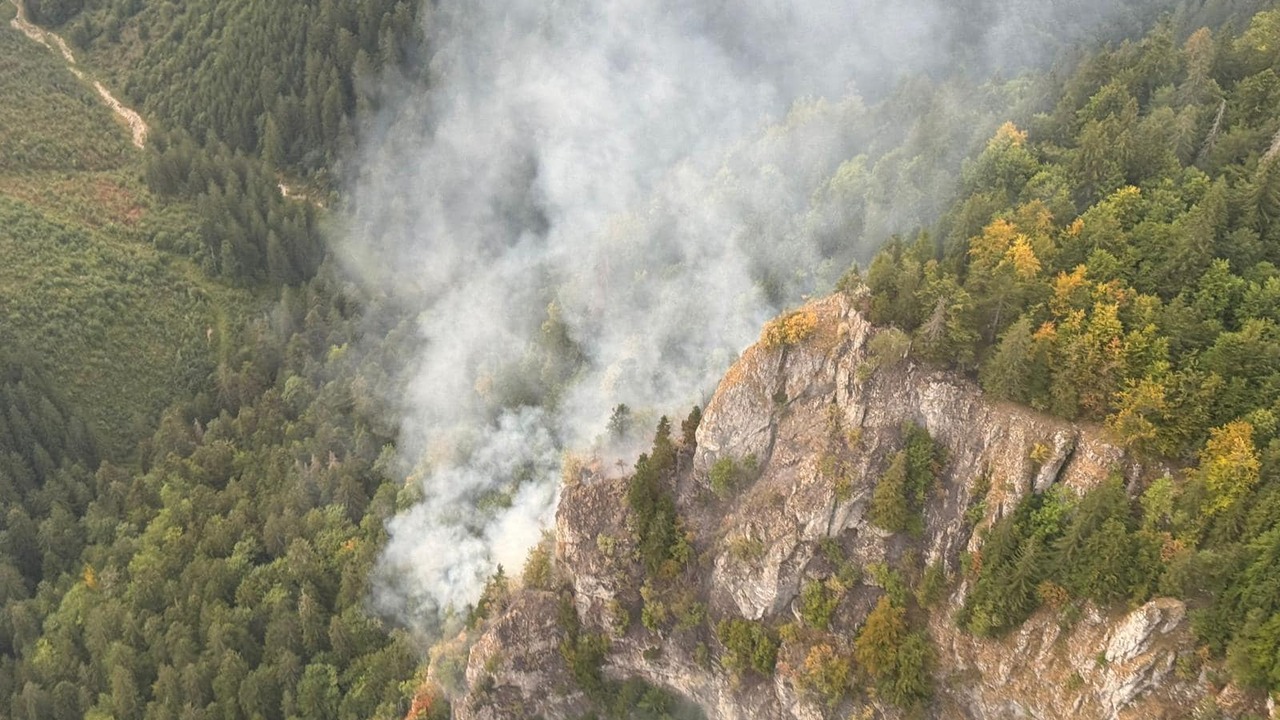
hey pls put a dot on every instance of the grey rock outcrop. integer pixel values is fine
(823, 417)
(514, 669)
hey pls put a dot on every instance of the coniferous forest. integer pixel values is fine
(197, 467)
(1115, 260)
(194, 483)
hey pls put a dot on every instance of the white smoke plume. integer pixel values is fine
(599, 202)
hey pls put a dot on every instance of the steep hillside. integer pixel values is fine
(1027, 464)
(192, 473)
(127, 327)
(794, 596)
(280, 80)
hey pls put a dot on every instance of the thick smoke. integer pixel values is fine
(600, 202)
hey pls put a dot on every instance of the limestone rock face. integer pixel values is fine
(1104, 666)
(515, 669)
(592, 541)
(823, 417)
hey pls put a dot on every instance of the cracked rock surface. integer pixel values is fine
(826, 402)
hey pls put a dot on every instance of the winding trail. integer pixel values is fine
(137, 126)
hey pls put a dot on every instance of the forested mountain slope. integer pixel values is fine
(163, 402)
(1110, 261)
(1117, 261)
(197, 461)
(282, 81)
(83, 284)
(819, 542)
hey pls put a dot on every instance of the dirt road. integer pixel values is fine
(137, 126)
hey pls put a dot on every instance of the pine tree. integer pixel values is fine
(273, 149)
(889, 509)
(1006, 374)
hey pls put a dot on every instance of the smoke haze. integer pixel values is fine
(600, 202)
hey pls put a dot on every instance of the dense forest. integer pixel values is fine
(225, 568)
(225, 144)
(278, 81)
(1115, 260)
(191, 517)
(192, 472)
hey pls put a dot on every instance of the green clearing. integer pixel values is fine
(121, 327)
(50, 120)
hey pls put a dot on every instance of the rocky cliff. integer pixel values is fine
(820, 407)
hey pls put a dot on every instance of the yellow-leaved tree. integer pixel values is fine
(1229, 465)
(1004, 270)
